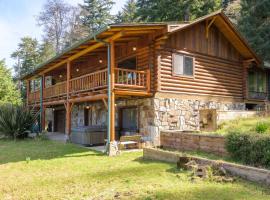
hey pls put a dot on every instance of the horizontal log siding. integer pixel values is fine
(212, 77)
(218, 66)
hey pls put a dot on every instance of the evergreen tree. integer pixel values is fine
(128, 14)
(27, 56)
(96, 14)
(46, 51)
(254, 23)
(175, 10)
(8, 91)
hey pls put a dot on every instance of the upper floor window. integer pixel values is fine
(183, 65)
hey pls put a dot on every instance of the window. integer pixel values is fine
(183, 65)
(256, 81)
(130, 119)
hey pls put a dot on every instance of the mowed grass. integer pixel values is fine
(49, 170)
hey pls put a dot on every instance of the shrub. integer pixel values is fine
(253, 149)
(261, 127)
(15, 121)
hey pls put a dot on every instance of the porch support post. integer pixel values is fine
(27, 92)
(112, 102)
(42, 106)
(68, 105)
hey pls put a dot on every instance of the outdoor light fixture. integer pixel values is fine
(100, 60)
(87, 107)
(60, 76)
(134, 48)
(53, 109)
(77, 70)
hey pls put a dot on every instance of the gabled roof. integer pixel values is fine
(131, 29)
(223, 23)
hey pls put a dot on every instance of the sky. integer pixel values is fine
(18, 19)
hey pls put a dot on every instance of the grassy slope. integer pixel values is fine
(244, 125)
(59, 171)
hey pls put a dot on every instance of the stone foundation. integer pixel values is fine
(183, 114)
(158, 114)
(98, 115)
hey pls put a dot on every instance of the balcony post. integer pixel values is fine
(148, 81)
(68, 106)
(27, 92)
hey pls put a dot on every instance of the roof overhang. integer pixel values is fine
(116, 32)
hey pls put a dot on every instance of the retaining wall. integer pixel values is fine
(193, 142)
(249, 173)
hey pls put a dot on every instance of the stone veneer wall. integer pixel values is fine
(99, 114)
(183, 114)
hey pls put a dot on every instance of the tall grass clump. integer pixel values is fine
(15, 121)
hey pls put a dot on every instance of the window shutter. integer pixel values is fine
(178, 64)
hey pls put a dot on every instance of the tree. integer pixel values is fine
(175, 10)
(96, 14)
(55, 20)
(254, 23)
(27, 56)
(8, 90)
(128, 14)
(77, 30)
(46, 51)
(232, 9)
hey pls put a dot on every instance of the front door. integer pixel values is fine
(129, 121)
(59, 121)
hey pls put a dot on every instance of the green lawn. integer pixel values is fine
(49, 170)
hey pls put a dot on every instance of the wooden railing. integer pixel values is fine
(93, 81)
(124, 79)
(56, 90)
(34, 97)
(257, 95)
(132, 79)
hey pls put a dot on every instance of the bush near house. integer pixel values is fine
(249, 148)
(15, 121)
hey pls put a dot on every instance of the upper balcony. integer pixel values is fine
(126, 82)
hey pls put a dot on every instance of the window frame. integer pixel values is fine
(184, 56)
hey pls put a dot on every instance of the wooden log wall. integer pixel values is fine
(218, 66)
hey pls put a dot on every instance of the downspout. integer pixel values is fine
(109, 89)
(41, 103)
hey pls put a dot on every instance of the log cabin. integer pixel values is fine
(147, 77)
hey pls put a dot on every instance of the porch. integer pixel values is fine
(130, 82)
